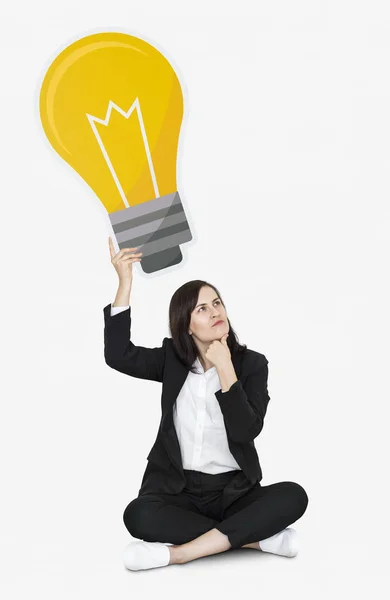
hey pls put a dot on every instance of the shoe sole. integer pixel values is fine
(294, 543)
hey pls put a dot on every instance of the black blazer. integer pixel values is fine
(243, 406)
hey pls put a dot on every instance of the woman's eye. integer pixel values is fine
(216, 302)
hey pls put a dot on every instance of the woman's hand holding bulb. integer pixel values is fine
(123, 262)
(123, 265)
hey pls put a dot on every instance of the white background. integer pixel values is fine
(283, 171)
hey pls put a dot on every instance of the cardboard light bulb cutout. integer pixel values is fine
(111, 106)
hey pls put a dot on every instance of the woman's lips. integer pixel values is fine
(218, 323)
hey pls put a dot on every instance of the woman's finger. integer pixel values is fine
(124, 256)
(125, 251)
(121, 252)
(131, 258)
(111, 246)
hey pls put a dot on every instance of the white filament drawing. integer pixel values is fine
(93, 120)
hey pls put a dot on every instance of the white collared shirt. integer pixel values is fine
(198, 421)
(199, 424)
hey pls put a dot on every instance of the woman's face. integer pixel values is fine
(208, 310)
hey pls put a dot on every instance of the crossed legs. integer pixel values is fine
(256, 516)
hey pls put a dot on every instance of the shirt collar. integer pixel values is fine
(200, 368)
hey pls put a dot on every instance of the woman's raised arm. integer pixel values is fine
(119, 351)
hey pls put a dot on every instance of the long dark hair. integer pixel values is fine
(181, 306)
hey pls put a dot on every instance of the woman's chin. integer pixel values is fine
(221, 332)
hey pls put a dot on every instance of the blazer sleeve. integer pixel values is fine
(122, 355)
(244, 406)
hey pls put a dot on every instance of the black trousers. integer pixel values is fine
(180, 518)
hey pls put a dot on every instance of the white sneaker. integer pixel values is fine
(284, 543)
(146, 555)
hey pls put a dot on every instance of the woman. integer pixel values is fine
(200, 493)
